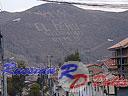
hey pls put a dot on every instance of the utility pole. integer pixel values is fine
(49, 75)
(42, 76)
(1, 59)
(4, 78)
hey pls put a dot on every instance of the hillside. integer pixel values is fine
(60, 29)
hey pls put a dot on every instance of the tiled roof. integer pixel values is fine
(123, 43)
(104, 79)
(89, 65)
(95, 70)
(110, 63)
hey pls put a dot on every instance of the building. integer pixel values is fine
(88, 89)
(110, 69)
(95, 69)
(110, 66)
(120, 57)
(100, 73)
(85, 90)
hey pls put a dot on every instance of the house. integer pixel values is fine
(110, 66)
(100, 73)
(85, 90)
(120, 57)
(95, 70)
(110, 69)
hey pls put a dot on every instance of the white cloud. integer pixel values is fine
(21, 5)
(102, 8)
(18, 5)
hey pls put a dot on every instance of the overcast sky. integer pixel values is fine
(18, 5)
(21, 5)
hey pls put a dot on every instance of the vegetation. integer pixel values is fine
(10, 86)
(43, 83)
(40, 80)
(16, 82)
(35, 90)
(73, 57)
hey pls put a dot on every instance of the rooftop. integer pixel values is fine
(90, 65)
(95, 68)
(110, 63)
(123, 43)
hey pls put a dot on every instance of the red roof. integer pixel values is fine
(107, 79)
(110, 63)
(89, 65)
(94, 69)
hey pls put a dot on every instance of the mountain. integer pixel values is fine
(59, 30)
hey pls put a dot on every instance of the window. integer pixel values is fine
(122, 67)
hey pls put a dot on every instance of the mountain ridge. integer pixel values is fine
(60, 29)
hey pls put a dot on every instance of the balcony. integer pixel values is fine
(119, 56)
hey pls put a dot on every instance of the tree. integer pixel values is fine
(16, 82)
(42, 81)
(73, 57)
(35, 90)
(10, 86)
